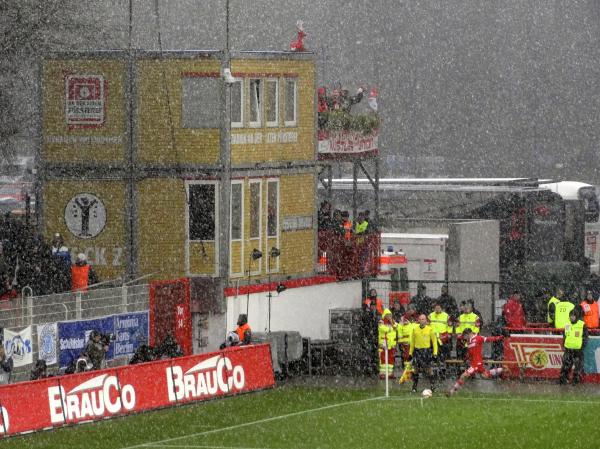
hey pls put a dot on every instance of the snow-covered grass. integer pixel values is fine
(303, 417)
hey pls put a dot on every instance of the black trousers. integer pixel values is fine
(572, 358)
(422, 359)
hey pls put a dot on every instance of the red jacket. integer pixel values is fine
(513, 312)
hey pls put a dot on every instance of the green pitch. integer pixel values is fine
(302, 417)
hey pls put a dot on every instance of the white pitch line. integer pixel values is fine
(260, 421)
(471, 398)
(205, 447)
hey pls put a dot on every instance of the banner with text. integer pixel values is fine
(127, 331)
(56, 401)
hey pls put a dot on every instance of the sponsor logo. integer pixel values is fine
(97, 397)
(538, 356)
(208, 378)
(72, 343)
(85, 215)
(85, 97)
(4, 421)
(47, 339)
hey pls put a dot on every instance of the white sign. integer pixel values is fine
(269, 137)
(18, 345)
(47, 337)
(85, 100)
(347, 142)
(85, 215)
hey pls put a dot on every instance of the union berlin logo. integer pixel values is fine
(538, 355)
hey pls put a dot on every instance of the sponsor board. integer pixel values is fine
(346, 142)
(85, 100)
(47, 335)
(543, 354)
(56, 401)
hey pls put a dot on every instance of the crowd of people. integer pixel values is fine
(427, 332)
(26, 259)
(339, 221)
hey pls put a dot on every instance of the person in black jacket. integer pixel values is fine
(448, 303)
(6, 366)
(574, 341)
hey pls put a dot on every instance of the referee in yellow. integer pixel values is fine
(423, 350)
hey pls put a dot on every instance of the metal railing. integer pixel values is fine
(483, 293)
(33, 310)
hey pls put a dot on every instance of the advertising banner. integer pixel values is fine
(74, 335)
(90, 396)
(47, 335)
(18, 345)
(345, 142)
(127, 331)
(543, 355)
(131, 331)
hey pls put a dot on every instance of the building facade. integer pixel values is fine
(131, 162)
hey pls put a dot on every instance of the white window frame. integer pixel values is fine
(256, 124)
(242, 103)
(274, 266)
(187, 228)
(231, 239)
(258, 239)
(275, 123)
(295, 121)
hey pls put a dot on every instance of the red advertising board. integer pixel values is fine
(542, 356)
(47, 403)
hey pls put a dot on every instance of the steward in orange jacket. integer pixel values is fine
(82, 275)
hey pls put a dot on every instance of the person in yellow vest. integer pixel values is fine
(467, 319)
(575, 339)
(362, 225)
(561, 313)
(405, 329)
(387, 331)
(551, 306)
(442, 326)
(423, 351)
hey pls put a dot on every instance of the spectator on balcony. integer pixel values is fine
(82, 275)
(346, 225)
(61, 265)
(423, 303)
(361, 226)
(337, 222)
(343, 101)
(325, 219)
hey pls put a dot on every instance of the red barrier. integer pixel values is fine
(53, 402)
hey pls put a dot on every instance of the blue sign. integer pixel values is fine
(131, 331)
(128, 331)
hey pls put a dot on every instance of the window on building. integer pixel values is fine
(201, 210)
(272, 102)
(237, 104)
(200, 102)
(272, 207)
(255, 209)
(291, 106)
(255, 102)
(237, 199)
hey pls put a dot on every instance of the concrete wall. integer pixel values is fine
(473, 255)
(303, 309)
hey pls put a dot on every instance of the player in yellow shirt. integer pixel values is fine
(423, 350)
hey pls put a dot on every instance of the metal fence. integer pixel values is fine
(484, 293)
(34, 310)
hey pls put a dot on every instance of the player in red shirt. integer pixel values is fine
(475, 347)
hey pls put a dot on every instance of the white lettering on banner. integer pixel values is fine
(93, 398)
(71, 343)
(347, 142)
(91, 140)
(126, 323)
(538, 355)
(4, 422)
(207, 378)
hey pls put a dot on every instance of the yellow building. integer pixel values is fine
(131, 162)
